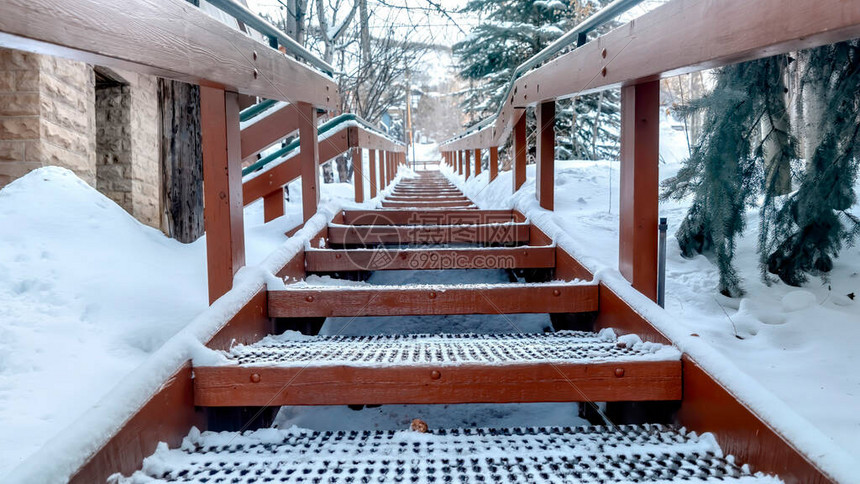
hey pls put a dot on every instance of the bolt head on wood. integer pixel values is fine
(619, 372)
(556, 292)
(255, 55)
(309, 299)
(432, 295)
(603, 53)
(435, 374)
(256, 73)
(603, 72)
(255, 378)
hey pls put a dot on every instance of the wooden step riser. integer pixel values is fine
(430, 259)
(425, 217)
(464, 204)
(426, 301)
(443, 234)
(426, 199)
(348, 385)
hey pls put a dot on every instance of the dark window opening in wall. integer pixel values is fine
(113, 137)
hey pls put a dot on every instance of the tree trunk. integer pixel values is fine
(813, 98)
(328, 174)
(774, 127)
(342, 169)
(181, 160)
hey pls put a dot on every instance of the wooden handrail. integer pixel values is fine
(169, 38)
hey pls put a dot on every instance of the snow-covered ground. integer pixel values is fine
(799, 343)
(87, 294)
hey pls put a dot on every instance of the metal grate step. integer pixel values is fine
(448, 349)
(643, 453)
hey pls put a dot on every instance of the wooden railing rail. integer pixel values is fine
(267, 177)
(635, 56)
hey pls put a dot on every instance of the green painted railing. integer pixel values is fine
(275, 35)
(331, 125)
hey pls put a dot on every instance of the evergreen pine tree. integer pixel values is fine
(725, 171)
(813, 224)
(513, 31)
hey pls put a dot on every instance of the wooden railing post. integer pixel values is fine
(640, 153)
(545, 169)
(460, 162)
(273, 205)
(477, 161)
(309, 159)
(467, 163)
(358, 174)
(494, 162)
(371, 168)
(222, 188)
(521, 148)
(383, 182)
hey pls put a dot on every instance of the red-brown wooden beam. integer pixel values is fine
(477, 161)
(455, 204)
(334, 260)
(269, 130)
(521, 149)
(545, 169)
(371, 168)
(425, 217)
(460, 162)
(222, 188)
(309, 157)
(273, 205)
(640, 154)
(346, 385)
(358, 174)
(494, 162)
(704, 35)
(352, 301)
(467, 163)
(514, 233)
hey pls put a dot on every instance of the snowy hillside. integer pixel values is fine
(796, 342)
(87, 293)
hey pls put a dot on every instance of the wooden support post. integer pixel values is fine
(545, 170)
(640, 153)
(467, 163)
(477, 161)
(382, 181)
(460, 162)
(371, 168)
(222, 188)
(358, 174)
(494, 162)
(309, 159)
(521, 148)
(273, 205)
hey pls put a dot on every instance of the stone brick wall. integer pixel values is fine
(48, 109)
(113, 144)
(47, 115)
(127, 139)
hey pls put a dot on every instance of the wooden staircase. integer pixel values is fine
(431, 226)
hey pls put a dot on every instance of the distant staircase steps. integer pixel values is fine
(626, 453)
(445, 368)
